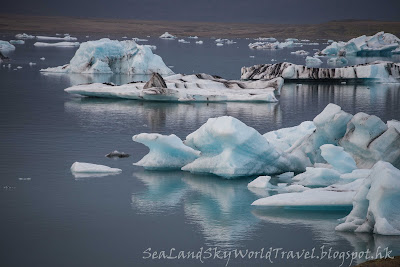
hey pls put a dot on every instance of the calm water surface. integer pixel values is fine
(56, 219)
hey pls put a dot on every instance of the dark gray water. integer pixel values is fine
(57, 220)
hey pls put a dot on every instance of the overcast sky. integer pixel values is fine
(258, 11)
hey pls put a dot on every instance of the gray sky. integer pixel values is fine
(258, 11)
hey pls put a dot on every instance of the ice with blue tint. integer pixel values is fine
(337, 61)
(317, 177)
(331, 125)
(6, 46)
(379, 44)
(166, 152)
(260, 182)
(368, 139)
(313, 61)
(376, 204)
(286, 137)
(113, 56)
(340, 160)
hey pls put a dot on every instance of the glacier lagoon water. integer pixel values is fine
(55, 219)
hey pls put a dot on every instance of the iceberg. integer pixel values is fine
(17, 42)
(313, 61)
(81, 167)
(337, 197)
(260, 182)
(50, 38)
(59, 44)
(379, 44)
(167, 36)
(268, 45)
(117, 154)
(300, 53)
(376, 204)
(199, 42)
(339, 159)
(183, 41)
(284, 138)
(337, 61)
(112, 56)
(317, 177)
(24, 36)
(6, 46)
(368, 140)
(166, 152)
(186, 88)
(266, 39)
(378, 71)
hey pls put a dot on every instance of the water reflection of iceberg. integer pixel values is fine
(158, 116)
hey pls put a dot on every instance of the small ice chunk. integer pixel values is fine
(81, 167)
(260, 182)
(338, 158)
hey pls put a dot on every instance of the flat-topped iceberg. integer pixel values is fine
(112, 56)
(186, 88)
(81, 167)
(376, 204)
(6, 46)
(51, 38)
(18, 42)
(268, 45)
(24, 36)
(378, 71)
(59, 44)
(378, 44)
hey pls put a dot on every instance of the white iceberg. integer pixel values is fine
(51, 38)
(81, 167)
(187, 88)
(317, 177)
(193, 37)
(378, 44)
(183, 41)
(266, 39)
(284, 138)
(166, 152)
(20, 42)
(376, 204)
(268, 45)
(378, 71)
(24, 36)
(112, 56)
(199, 42)
(300, 53)
(260, 182)
(328, 198)
(167, 35)
(6, 46)
(59, 44)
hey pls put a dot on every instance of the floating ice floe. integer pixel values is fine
(6, 46)
(313, 61)
(59, 44)
(19, 42)
(291, 40)
(89, 168)
(51, 38)
(193, 37)
(112, 56)
(378, 44)
(166, 152)
(183, 41)
(337, 61)
(376, 204)
(266, 39)
(199, 42)
(167, 35)
(260, 182)
(230, 149)
(378, 71)
(32, 63)
(117, 154)
(275, 45)
(331, 197)
(139, 39)
(24, 36)
(219, 44)
(42, 58)
(199, 87)
(300, 53)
